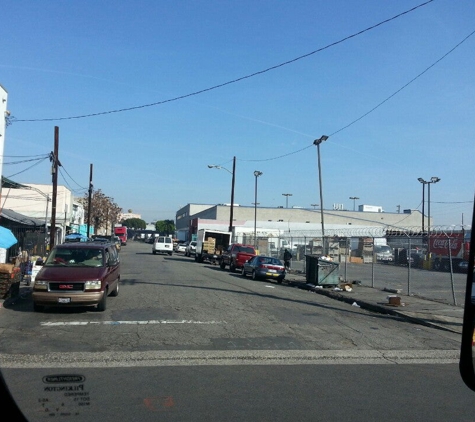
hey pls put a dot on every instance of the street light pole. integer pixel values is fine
(286, 199)
(354, 198)
(256, 174)
(423, 199)
(432, 180)
(233, 173)
(317, 142)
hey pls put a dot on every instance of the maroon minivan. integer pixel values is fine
(78, 274)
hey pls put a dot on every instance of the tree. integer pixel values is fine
(135, 223)
(104, 211)
(165, 227)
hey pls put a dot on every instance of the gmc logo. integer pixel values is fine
(66, 286)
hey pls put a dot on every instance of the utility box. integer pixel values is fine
(321, 272)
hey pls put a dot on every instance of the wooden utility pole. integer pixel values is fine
(89, 203)
(54, 170)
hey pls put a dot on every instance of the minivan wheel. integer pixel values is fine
(115, 292)
(101, 306)
(38, 308)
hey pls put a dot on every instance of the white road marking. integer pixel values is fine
(151, 322)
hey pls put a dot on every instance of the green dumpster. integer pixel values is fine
(321, 272)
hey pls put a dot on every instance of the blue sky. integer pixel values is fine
(62, 59)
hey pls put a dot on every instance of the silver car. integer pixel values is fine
(191, 249)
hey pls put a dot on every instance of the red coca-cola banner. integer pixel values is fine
(439, 244)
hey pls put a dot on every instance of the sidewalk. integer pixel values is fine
(415, 309)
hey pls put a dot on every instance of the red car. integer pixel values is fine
(236, 255)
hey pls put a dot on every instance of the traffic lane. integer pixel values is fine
(172, 303)
(333, 392)
(266, 315)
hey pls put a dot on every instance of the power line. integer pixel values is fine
(381, 103)
(28, 168)
(231, 81)
(81, 187)
(26, 156)
(25, 161)
(404, 86)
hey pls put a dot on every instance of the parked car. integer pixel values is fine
(236, 255)
(383, 253)
(150, 239)
(181, 247)
(118, 243)
(463, 266)
(163, 244)
(264, 267)
(191, 248)
(78, 274)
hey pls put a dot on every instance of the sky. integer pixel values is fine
(152, 92)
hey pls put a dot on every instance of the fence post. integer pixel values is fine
(346, 259)
(409, 257)
(372, 264)
(451, 269)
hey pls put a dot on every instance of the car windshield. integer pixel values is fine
(301, 132)
(246, 249)
(75, 257)
(268, 261)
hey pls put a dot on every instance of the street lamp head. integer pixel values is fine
(421, 180)
(210, 166)
(319, 141)
(257, 173)
(434, 179)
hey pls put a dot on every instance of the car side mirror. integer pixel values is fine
(467, 355)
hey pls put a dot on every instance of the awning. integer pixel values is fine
(7, 183)
(16, 217)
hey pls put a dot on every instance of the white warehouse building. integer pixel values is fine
(293, 222)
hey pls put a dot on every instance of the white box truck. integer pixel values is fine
(210, 244)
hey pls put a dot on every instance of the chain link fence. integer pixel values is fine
(430, 265)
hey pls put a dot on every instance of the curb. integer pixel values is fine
(370, 306)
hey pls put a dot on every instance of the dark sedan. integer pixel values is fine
(264, 267)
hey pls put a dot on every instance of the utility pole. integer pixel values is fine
(232, 198)
(4, 113)
(89, 203)
(54, 170)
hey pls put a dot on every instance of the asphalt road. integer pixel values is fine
(187, 341)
